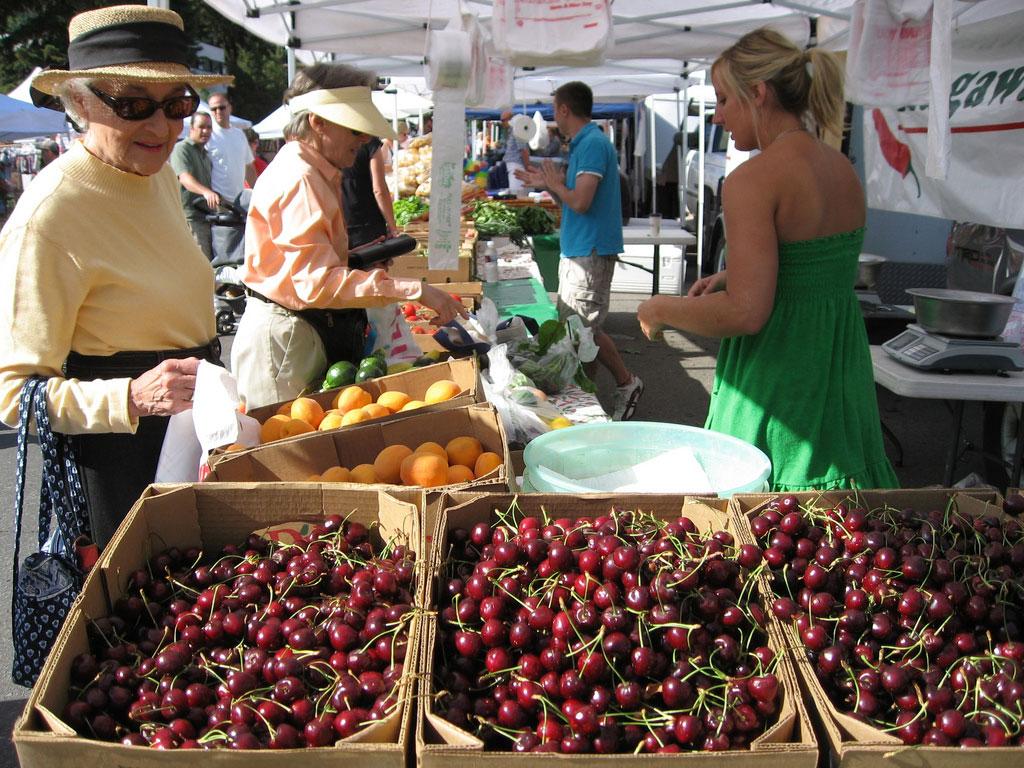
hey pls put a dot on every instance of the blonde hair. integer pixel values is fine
(804, 82)
(320, 77)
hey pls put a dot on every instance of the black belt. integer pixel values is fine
(136, 362)
(309, 312)
(256, 295)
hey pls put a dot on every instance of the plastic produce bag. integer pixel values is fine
(524, 412)
(392, 334)
(553, 358)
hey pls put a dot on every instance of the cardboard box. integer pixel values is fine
(296, 459)
(415, 267)
(427, 343)
(414, 382)
(851, 742)
(211, 516)
(788, 743)
(472, 289)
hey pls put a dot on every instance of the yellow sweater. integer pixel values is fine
(96, 261)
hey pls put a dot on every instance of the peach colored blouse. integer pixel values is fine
(296, 244)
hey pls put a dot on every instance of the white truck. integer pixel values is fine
(720, 157)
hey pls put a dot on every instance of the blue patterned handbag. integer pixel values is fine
(46, 585)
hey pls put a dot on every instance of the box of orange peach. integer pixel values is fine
(437, 450)
(432, 387)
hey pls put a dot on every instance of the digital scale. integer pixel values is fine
(929, 351)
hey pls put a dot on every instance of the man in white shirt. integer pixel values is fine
(232, 167)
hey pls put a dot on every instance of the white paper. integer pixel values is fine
(212, 422)
(215, 408)
(181, 454)
(448, 70)
(673, 471)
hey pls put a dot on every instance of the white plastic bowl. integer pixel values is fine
(580, 459)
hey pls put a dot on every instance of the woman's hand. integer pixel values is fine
(441, 302)
(647, 314)
(709, 284)
(164, 390)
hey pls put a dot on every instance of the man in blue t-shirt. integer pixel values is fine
(591, 233)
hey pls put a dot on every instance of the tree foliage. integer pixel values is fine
(34, 33)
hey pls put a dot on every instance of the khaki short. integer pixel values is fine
(584, 287)
(275, 355)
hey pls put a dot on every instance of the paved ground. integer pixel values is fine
(678, 374)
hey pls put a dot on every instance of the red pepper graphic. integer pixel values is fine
(895, 152)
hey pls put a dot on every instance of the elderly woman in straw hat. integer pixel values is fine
(306, 307)
(104, 290)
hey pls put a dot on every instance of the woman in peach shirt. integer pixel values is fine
(296, 247)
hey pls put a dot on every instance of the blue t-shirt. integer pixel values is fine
(600, 228)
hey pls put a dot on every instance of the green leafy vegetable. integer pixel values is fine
(409, 208)
(534, 220)
(493, 218)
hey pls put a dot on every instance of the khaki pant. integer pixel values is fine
(276, 356)
(203, 234)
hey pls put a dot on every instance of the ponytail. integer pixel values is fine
(825, 99)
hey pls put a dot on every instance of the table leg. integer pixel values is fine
(1018, 455)
(954, 448)
(657, 270)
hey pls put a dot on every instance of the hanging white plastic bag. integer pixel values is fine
(888, 59)
(491, 78)
(539, 142)
(528, 34)
(393, 334)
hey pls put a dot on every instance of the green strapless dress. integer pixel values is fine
(802, 389)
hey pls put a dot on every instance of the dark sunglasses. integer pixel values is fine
(134, 108)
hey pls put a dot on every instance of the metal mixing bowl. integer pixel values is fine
(868, 266)
(961, 313)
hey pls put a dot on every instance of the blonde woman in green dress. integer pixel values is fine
(794, 374)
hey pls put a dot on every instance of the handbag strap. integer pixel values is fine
(61, 482)
(24, 417)
(61, 494)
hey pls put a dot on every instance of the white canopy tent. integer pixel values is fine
(666, 37)
(389, 35)
(394, 103)
(21, 91)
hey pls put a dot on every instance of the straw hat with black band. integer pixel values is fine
(351, 107)
(126, 43)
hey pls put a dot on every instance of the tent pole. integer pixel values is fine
(700, 191)
(679, 160)
(654, 159)
(291, 64)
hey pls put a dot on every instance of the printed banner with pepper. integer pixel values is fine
(986, 105)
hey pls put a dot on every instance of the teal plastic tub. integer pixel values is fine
(639, 456)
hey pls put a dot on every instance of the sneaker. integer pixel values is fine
(626, 398)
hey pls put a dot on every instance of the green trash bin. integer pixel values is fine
(546, 252)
